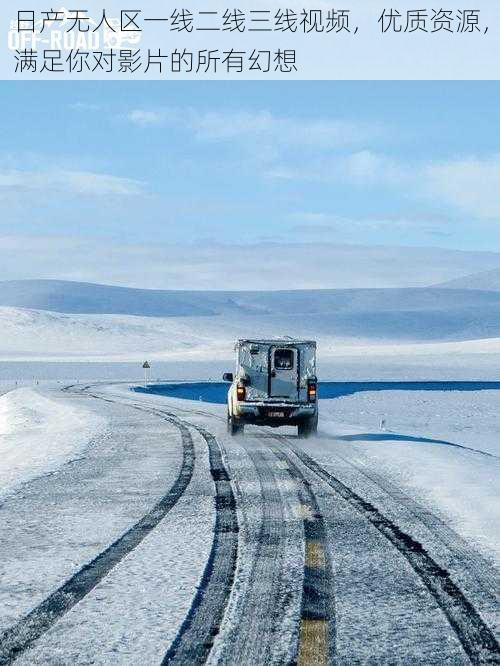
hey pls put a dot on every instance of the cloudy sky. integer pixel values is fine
(102, 170)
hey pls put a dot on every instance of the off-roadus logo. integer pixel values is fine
(58, 29)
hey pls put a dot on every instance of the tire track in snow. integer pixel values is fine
(196, 636)
(260, 610)
(317, 631)
(202, 624)
(481, 574)
(477, 639)
(18, 638)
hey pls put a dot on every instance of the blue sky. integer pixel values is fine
(154, 163)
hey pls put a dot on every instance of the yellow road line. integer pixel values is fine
(313, 643)
(315, 556)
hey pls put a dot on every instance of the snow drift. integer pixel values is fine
(38, 434)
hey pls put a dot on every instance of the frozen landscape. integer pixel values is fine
(432, 473)
(146, 521)
(457, 330)
(377, 541)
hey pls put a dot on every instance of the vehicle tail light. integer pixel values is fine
(311, 391)
(241, 392)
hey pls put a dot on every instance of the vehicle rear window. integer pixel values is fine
(283, 359)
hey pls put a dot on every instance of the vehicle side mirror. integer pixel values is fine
(228, 377)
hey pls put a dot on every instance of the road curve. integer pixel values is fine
(202, 624)
(15, 640)
(298, 556)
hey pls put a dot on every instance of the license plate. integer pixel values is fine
(276, 415)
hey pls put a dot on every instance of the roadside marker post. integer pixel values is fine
(147, 373)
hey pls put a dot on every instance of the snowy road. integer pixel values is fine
(166, 541)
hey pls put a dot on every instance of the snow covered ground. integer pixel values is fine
(38, 434)
(420, 447)
(433, 442)
(427, 461)
(45, 345)
(422, 462)
(70, 331)
(468, 418)
(65, 321)
(44, 335)
(442, 447)
(31, 335)
(429, 364)
(59, 522)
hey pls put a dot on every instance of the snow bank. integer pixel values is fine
(38, 434)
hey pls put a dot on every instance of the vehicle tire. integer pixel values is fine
(233, 427)
(308, 427)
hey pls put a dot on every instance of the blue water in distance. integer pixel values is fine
(216, 392)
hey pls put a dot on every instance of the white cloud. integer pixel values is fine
(261, 125)
(84, 106)
(284, 173)
(323, 133)
(312, 224)
(208, 265)
(72, 182)
(146, 118)
(368, 168)
(361, 168)
(472, 185)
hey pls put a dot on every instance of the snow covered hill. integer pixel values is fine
(279, 264)
(34, 334)
(82, 297)
(85, 298)
(484, 281)
(64, 320)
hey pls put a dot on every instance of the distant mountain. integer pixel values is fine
(86, 298)
(484, 281)
(70, 319)
(260, 265)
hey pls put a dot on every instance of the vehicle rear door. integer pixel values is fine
(283, 375)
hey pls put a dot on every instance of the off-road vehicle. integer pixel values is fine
(274, 384)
